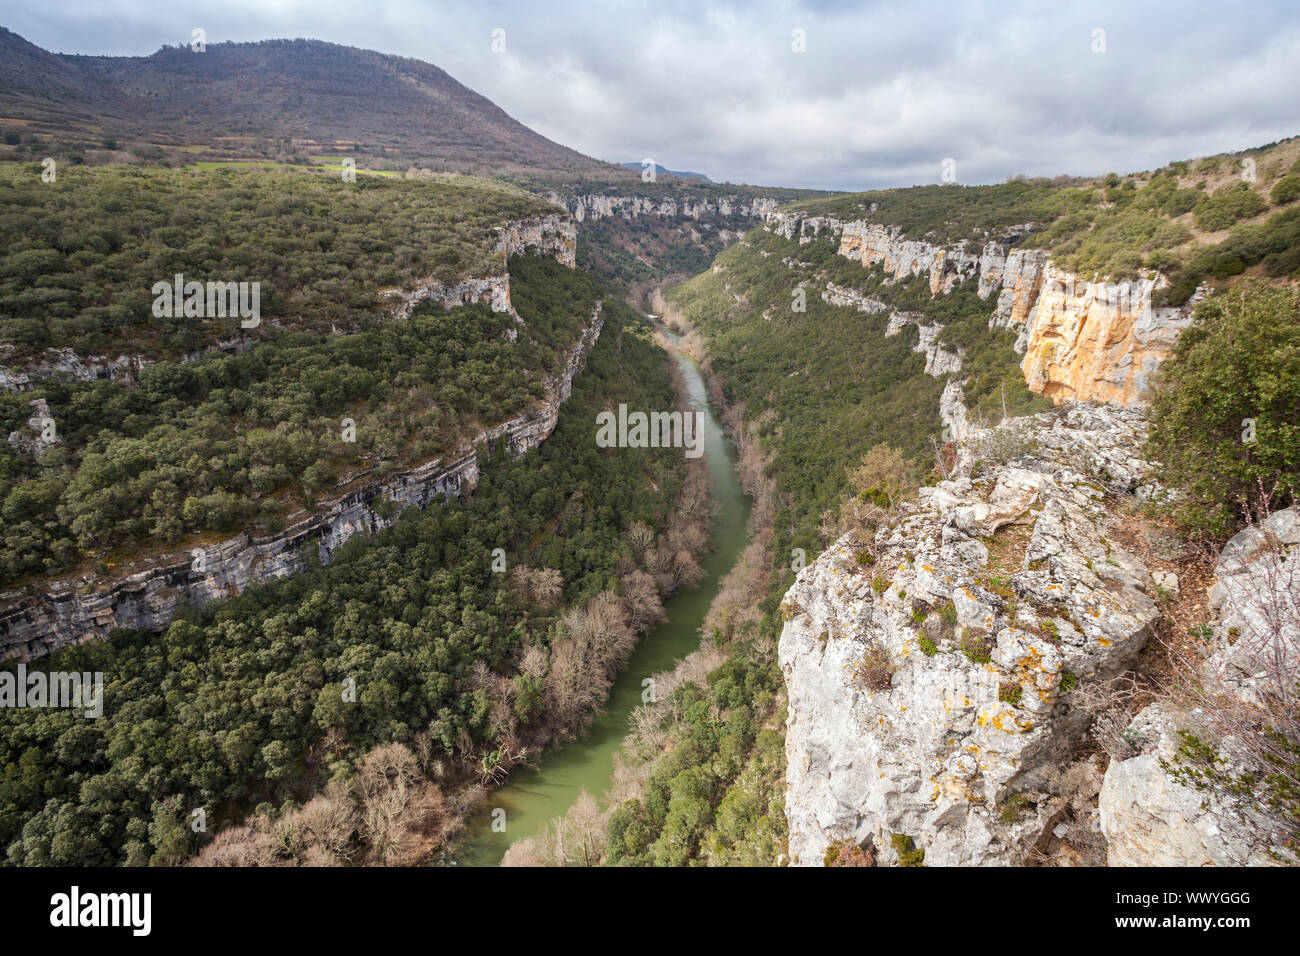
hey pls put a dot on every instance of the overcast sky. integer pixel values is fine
(881, 95)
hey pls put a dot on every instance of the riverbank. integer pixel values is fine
(534, 795)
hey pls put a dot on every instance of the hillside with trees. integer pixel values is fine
(458, 669)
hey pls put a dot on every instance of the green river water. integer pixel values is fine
(535, 795)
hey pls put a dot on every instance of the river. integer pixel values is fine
(535, 795)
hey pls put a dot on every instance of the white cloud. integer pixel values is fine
(881, 96)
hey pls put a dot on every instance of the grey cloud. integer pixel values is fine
(882, 95)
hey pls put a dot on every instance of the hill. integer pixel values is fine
(301, 96)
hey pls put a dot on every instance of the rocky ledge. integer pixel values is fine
(1081, 340)
(931, 670)
(39, 619)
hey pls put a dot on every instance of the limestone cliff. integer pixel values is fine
(1084, 340)
(595, 207)
(554, 236)
(931, 672)
(38, 619)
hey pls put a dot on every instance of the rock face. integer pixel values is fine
(595, 207)
(838, 295)
(65, 363)
(1256, 598)
(925, 686)
(938, 360)
(555, 236)
(1090, 341)
(37, 620)
(1148, 817)
(492, 290)
(1095, 340)
(36, 439)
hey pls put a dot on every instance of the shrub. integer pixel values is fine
(1227, 206)
(1286, 189)
(928, 647)
(977, 645)
(1224, 424)
(908, 854)
(879, 584)
(1010, 692)
(875, 670)
(843, 853)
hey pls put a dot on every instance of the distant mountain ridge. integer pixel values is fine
(665, 171)
(323, 97)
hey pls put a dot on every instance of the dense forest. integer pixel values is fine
(239, 441)
(79, 255)
(242, 705)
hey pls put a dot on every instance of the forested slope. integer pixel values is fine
(242, 702)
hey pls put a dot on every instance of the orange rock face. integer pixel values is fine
(1090, 341)
(1094, 341)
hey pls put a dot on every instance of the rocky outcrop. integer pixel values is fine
(872, 244)
(1084, 340)
(952, 412)
(938, 360)
(39, 619)
(554, 236)
(839, 295)
(67, 364)
(1256, 602)
(930, 672)
(36, 438)
(491, 290)
(1096, 340)
(595, 207)
(1149, 817)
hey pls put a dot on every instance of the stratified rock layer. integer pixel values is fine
(1089, 341)
(39, 619)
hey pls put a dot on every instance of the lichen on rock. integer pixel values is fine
(1019, 549)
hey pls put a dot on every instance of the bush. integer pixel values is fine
(977, 645)
(842, 853)
(1228, 205)
(1224, 424)
(908, 854)
(875, 670)
(1286, 189)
